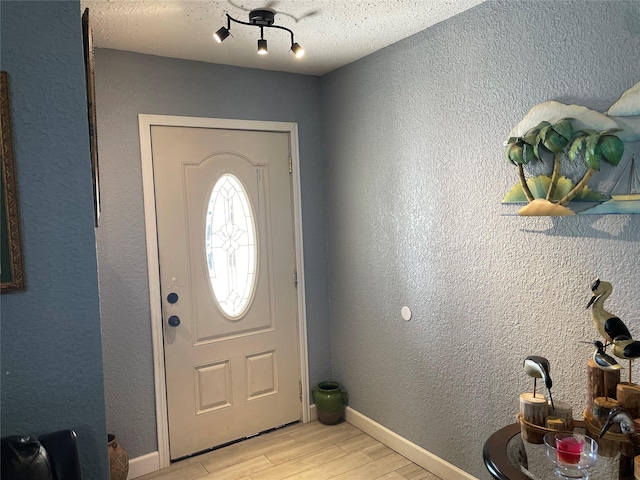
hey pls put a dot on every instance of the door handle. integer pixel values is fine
(174, 321)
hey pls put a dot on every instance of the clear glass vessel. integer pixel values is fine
(572, 454)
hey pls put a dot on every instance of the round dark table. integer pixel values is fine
(501, 467)
(495, 456)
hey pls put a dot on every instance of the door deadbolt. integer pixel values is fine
(172, 297)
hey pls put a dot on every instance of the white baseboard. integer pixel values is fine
(142, 465)
(415, 453)
(313, 412)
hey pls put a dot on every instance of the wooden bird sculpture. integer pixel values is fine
(627, 348)
(610, 326)
(603, 360)
(622, 417)
(538, 367)
(627, 426)
(607, 324)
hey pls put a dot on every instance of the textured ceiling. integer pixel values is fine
(332, 32)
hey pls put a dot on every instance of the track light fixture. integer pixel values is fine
(259, 18)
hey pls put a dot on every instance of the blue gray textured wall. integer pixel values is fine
(415, 174)
(128, 84)
(51, 351)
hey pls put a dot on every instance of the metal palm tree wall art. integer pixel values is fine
(553, 133)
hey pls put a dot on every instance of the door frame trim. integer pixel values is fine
(145, 122)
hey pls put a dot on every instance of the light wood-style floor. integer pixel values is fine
(309, 451)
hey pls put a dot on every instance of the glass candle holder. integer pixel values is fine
(572, 454)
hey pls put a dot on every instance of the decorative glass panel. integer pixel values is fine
(231, 246)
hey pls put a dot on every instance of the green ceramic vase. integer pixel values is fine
(330, 398)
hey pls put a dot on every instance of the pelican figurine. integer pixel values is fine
(538, 367)
(607, 324)
(627, 348)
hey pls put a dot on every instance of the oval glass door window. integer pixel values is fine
(231, 246)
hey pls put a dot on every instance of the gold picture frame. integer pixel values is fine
(11, 266)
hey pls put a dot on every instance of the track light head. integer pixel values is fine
(262, 47)
(221, 34)
(297, 50)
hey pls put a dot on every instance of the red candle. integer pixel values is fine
(569, 450)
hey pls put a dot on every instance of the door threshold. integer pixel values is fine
(233, 442)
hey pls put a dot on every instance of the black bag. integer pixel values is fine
(24, 458)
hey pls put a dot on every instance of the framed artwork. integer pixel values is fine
(89, 65)
(11, 266)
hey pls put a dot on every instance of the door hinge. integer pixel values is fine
(295, 278)
(290, 165)
(300, 389)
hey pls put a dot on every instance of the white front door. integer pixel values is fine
(227, 280)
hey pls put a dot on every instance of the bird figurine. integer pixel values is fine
(627, 348)
(538, 367)
(622, 417)
(627, 426)
(603, 360)
(607, 324)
